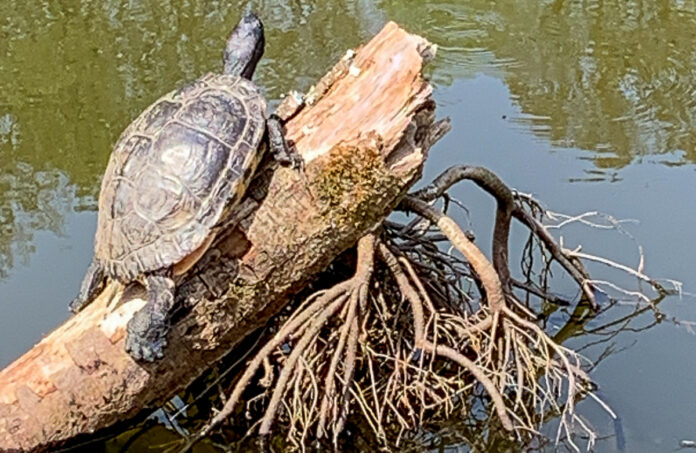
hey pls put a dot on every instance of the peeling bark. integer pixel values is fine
(364, 135)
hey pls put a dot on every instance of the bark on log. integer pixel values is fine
(364, 135)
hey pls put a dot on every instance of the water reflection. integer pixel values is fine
(614, 77)
(31, 200)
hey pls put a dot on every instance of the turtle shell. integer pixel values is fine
(174, 171)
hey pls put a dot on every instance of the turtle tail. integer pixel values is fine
(92, 285)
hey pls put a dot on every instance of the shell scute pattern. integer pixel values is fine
(191, 236)
(190, 89)
(154, 205)
(157, 116)
(134, 150)
(238, 161)
(194, 158)
(140, 230)
(174, 172)
(219, 114)
(121, 194)
(117, 248)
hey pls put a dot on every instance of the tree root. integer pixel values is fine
(509, 203)
(304, 327)
(403, 365)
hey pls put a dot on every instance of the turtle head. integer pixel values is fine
(244, 47)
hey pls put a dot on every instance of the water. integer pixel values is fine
(588, 105)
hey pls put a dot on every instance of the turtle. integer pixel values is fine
(173, 177)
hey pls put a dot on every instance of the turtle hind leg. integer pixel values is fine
(92, 285)
(278, 146)
(147, 330)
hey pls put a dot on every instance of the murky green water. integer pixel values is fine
(587, 104)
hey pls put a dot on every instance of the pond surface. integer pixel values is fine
(588, 105)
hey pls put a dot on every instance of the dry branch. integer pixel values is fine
(364, 136)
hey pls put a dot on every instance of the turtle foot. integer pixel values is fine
(293, 159)
(145, 341)
(144, 350)
(283, 151)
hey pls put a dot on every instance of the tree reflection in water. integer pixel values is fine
(614, 78)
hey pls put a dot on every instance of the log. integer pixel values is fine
(363, 131)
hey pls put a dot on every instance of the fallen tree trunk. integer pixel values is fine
(364, 135)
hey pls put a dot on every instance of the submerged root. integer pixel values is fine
(427, 327)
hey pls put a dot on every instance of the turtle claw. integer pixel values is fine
(145, 342)
(143, 349)
(293, 159)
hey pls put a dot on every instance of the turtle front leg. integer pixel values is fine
(147, 330)
(278, 147)
(92, 285)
